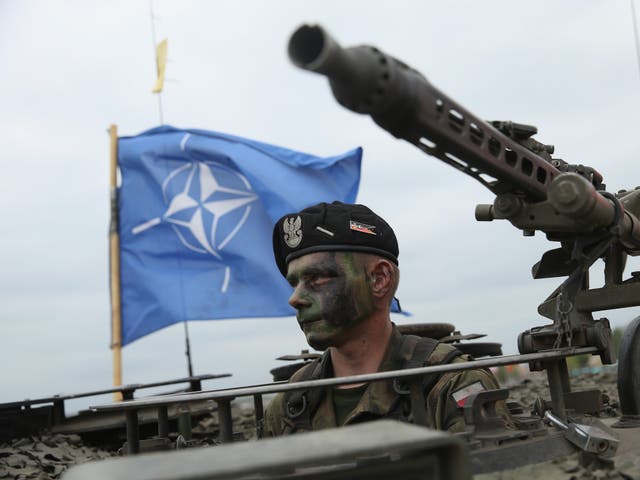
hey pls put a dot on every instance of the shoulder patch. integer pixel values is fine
(460, 396)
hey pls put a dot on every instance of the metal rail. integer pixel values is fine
(331, 382)
(223, 397)
(58, 414)
(194, 382)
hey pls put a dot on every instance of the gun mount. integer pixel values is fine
(534, 191)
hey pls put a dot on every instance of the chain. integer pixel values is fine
(563, 308)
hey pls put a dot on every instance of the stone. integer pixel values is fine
(16, 461)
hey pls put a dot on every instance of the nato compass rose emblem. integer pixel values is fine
(207, 204)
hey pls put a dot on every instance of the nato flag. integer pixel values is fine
(197, 210)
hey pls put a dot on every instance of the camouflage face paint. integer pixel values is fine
(332, 294)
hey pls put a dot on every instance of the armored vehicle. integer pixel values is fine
(535, 192)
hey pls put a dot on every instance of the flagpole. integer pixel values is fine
(114, 265)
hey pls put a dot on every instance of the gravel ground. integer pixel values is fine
(535, 385)
(45, 457)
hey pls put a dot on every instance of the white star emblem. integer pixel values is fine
(191, 207)
(197, 202)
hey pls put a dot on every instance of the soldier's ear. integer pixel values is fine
(381, 277)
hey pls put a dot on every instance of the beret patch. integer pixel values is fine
(332, 227)
(292, 227)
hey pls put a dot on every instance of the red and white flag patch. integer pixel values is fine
(460, 396)
(361, 227)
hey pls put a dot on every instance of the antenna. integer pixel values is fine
(635, 32)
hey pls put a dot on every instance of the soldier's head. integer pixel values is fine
(342, 262)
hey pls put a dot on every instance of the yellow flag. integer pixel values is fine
(161, 64)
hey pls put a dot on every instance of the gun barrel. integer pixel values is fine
(360, 77)
(403, 102)
(573, 196)
(311, 48)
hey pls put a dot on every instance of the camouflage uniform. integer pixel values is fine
(379, 400)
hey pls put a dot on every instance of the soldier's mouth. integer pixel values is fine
(307, 321)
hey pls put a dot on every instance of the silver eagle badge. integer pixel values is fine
(292, 231)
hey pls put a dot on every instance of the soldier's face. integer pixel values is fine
(332, 293)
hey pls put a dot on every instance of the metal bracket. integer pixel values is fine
(484, 422)
(588, 438)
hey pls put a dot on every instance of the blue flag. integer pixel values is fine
(197, 210)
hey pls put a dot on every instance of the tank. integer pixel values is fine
(566, 432)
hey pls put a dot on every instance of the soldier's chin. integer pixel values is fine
(317, 342)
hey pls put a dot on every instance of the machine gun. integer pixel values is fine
(534, 191)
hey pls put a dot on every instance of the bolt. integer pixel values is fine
(566, 193)
(503, 203)
(506, 205)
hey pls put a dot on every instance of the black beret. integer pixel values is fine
(333, 226)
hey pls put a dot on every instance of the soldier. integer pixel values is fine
(342, 262)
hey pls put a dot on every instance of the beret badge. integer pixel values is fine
(292, 227)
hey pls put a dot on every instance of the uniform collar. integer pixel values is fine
(380, 397)
(377, 400)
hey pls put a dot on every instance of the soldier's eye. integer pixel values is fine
(319, 281)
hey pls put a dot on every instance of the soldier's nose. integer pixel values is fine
(296, 300)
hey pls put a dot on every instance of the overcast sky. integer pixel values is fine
(70, 69)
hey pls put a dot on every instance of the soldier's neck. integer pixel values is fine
(363, 353)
